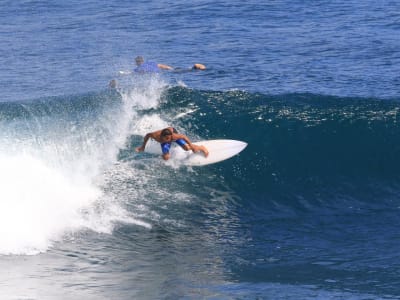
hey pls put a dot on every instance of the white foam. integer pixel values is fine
(148, 123)
(51, 181)
(143, 93)
(184, 113)
(38, 205)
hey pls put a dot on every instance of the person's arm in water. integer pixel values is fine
(198, 67)
(195, 67)
(164, 67)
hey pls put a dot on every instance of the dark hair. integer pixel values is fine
(166, 132)
(139, 59)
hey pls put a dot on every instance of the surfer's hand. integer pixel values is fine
(139, 149)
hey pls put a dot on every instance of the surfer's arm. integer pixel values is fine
(165, 67)
(146, 138)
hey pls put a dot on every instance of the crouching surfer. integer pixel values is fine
(168, 135)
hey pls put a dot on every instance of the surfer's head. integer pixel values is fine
(166, 135)
(139, 60)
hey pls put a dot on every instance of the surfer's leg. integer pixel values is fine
(182, 143)
(201, 148)
(165, 150)
(194, 148)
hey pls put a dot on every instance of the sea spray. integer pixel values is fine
(54, 157)
(38, 204)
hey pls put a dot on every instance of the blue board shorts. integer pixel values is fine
(166, 146)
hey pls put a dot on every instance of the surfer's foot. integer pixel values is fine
(205, 151)
(200, 149)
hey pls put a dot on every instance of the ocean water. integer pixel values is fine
(309, 210)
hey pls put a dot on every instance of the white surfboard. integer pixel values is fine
(219, 150)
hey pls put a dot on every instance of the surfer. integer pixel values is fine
(149, 66)
(168, 135)
(152, 67)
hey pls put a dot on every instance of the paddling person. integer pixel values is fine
(168, 135)
(149, 66)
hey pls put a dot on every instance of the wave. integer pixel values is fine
(54, 153)
(298, 135)
(68, 163)
(299, 145)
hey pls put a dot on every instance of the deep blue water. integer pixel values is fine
(309, 210)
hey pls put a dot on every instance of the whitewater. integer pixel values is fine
(52, 163)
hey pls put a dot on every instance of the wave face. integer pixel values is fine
(318, 179)
(297, 139)
(55, 151)
(316, 189)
